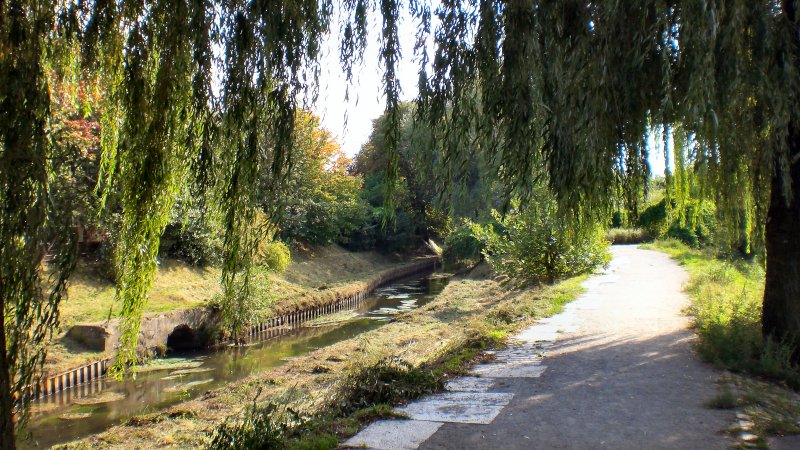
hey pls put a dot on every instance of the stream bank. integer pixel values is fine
(315, 273)
(94, 407)
(181, 330)
(468, 310)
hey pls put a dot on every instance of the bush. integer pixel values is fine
(696, 228)
(654, 219)
(461, 247)
(191, 237)
(538, 245)
(683, 234)
(273, 255)
(390, 380)
(617, 220)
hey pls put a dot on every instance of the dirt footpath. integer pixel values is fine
(616, 370)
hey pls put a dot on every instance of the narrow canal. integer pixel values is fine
(93, 407)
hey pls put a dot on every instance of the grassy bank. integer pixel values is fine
(726, 296)
(318, 399)
(178, 285)
(315, 275)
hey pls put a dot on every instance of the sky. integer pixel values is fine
(351, 121)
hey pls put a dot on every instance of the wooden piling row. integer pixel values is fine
(71, 378)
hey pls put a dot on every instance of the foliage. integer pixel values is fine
(274, 255)
(694, 225)
(382, 229)
(254, 297)
(389, 380)
(654, 218)
(726, 306)
(462, 247)
(422, 207)
(32, 227)
(321, 203)
(192, 237)
(538, 245)
(260, 427)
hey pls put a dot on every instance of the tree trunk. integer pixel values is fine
(7, 440)
(781, 310)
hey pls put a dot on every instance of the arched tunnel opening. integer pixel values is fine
(183, 337)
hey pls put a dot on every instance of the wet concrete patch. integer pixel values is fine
(394, 434)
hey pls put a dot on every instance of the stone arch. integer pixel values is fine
(183, 337)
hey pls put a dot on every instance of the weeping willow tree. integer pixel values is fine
(575, 88)
(564, 92)
(31, 226)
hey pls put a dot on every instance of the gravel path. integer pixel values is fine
(614, 370)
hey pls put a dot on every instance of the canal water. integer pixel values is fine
(94, 407)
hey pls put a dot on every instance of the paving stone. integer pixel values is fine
(470, 384)
(746, 424)
(508, 370)
(747, 437)
(394, 434)
(447, 411)
(478, 398)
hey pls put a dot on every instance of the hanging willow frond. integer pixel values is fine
(32, 228)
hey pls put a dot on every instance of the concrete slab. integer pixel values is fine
(510, 370)
(394, 434)
(477, 398)
(469, 384)
(447, 411)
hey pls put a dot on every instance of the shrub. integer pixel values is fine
(461, 247)
(539, 245)
(617, 220)
(390, 380)
(695, 228)
(683, 234)
(654, 219)
(191, 237)
(273, 255)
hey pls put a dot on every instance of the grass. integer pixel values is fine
(406, 358)
(726, 296)
(177, 285)
(772, 409)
